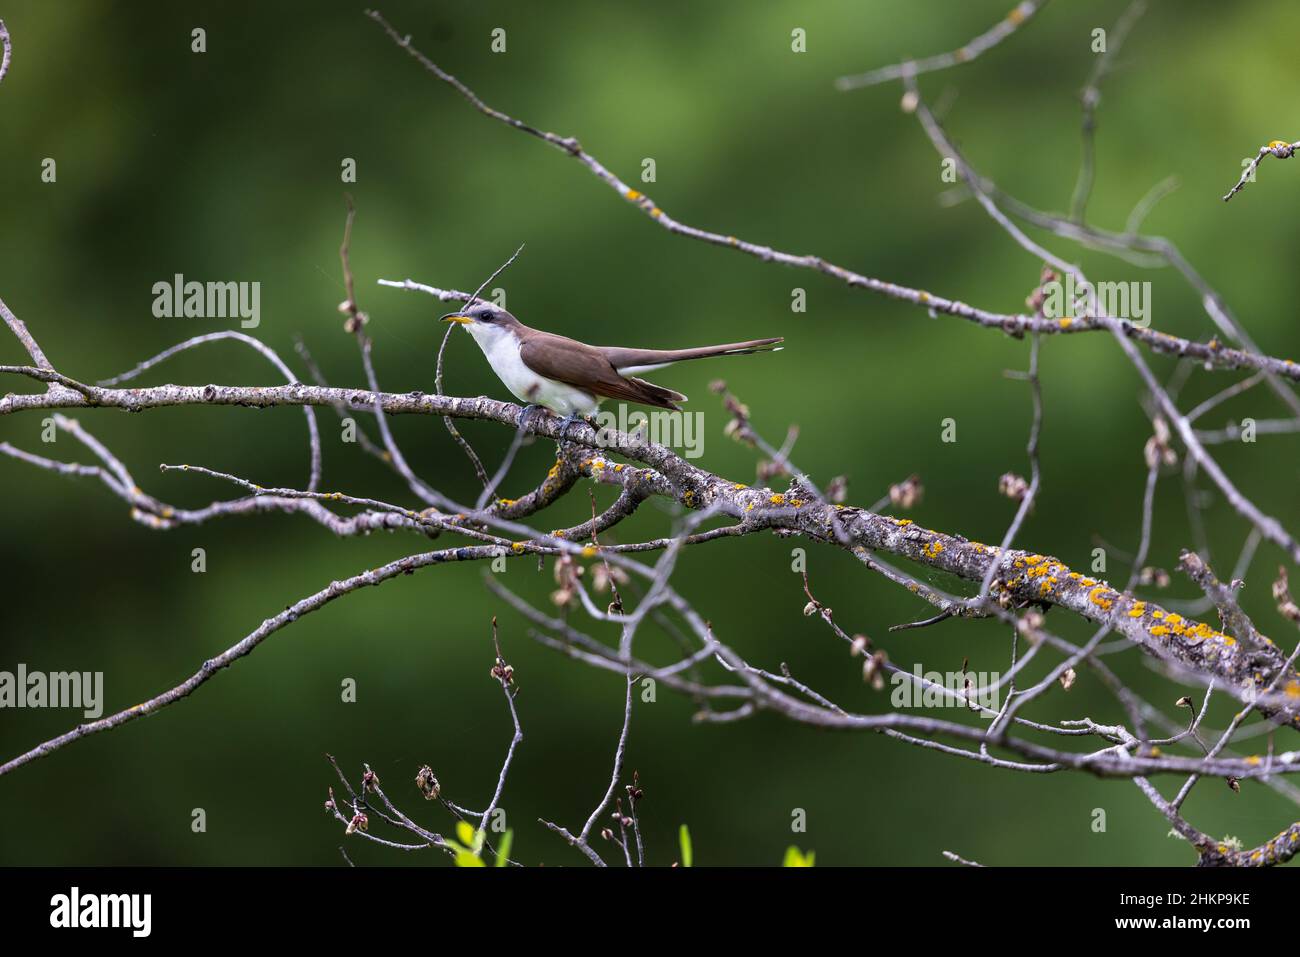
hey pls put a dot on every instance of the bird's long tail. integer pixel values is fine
(643, 360)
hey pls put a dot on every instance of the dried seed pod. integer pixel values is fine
(1013, 486)
(907, 493)
(1282, 595)
(1153, 577)
(873, 671)
(427, 783)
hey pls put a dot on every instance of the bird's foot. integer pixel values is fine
(526, 416)
(571, 419)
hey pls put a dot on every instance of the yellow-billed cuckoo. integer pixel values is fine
(571, 377)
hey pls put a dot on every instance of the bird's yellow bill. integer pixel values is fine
(454, 317)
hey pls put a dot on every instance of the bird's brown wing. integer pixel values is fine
(584, 367)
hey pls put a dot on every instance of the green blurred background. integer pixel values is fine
(225, 165)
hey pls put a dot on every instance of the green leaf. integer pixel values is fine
(796, 858)
(466, 858)
(465, 832)
(503, 849)
(684, 836)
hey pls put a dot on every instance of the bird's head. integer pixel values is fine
(481, 314)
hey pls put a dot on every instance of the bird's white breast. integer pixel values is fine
(501, 348)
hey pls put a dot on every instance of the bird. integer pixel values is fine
(570, 377)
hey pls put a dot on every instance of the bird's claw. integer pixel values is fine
(526, 416)
(567, 421)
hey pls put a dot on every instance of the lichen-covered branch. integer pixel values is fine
(1022, 576)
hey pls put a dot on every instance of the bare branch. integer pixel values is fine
(1013, 21)
(7, 55)
(1091, 97)
(1279, 148)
